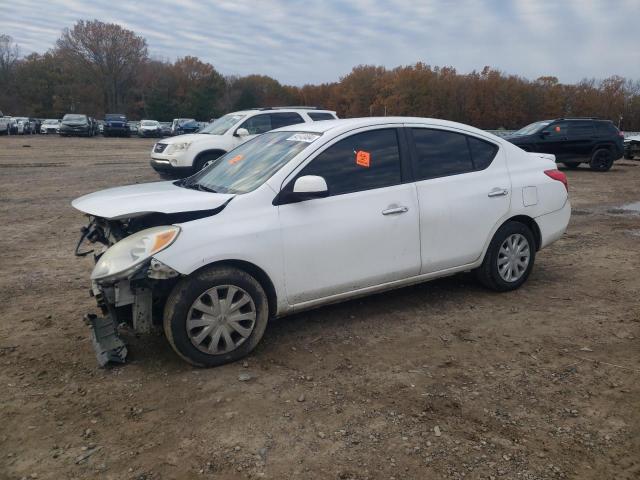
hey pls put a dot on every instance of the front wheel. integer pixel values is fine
(216, 316)
(509, 258)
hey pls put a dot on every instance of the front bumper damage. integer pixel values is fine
(135, 302)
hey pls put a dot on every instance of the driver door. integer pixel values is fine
(365, 233)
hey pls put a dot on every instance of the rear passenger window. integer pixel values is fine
(482, 153)
(363, 161)
(286, 118)
(317, 116)
(581, 129)
(440, 153)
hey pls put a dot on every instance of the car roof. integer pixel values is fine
(344, 125)
(281, 110)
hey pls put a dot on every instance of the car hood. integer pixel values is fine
(191, 137)
(516, 139)
(136, 200)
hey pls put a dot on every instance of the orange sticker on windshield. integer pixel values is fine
(236, 159)
(363, 158)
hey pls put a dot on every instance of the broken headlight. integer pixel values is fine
(126, 256)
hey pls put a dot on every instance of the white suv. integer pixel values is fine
(186, 154)
(312, 214)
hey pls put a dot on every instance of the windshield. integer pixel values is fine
(74, 118)
(251, 164)
(122, 118)
(221, 125)
(532, 128)
(149, 123)
(49, 122)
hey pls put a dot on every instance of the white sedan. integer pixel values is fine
(312, 214)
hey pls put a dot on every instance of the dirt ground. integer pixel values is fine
(441, 380)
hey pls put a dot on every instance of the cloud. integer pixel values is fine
(300, 42)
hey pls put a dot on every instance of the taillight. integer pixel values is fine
(621, 134)
(559, 176)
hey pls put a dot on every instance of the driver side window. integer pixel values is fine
(258, 124)
(558, 129)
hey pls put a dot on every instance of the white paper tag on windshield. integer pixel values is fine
(303, 137)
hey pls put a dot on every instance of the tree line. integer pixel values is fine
(99, 68)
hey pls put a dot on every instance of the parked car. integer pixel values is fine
(6, 124)
(186, 154)
(150, 128)
(23, 126)
(632, 147)
(115, 125)
(180, 126)
(36, 123)
(50, 125)
(75, 124)
(311, 214)
(133, 127)
(573, 141)
(166, 129)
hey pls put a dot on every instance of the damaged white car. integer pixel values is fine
(312, 214)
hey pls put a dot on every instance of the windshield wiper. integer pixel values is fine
(197, 186)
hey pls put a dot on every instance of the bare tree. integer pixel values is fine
(110, 54)
(9, 54)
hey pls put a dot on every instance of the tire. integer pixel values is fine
(197, 288)
(628, 156)
(571, 165)
(601, 160)
(202, 160)
(488, 273)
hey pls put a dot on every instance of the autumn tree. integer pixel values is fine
(111, 55)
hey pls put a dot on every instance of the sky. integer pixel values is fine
(298, 42)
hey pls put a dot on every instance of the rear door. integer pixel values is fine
(464, 190)
(364, 233)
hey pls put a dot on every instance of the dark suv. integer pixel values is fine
(573, 141)
(115, 125)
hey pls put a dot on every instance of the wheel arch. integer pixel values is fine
(256, 272)
(206, 152)
(529, 222)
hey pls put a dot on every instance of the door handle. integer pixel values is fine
(395, 210)
(498, 192)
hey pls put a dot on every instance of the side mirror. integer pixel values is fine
(304, 188)
(242, 132)
(311, 186)
(545, 133)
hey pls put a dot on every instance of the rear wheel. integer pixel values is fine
(601, 160)
(509, 258)
(216, 316)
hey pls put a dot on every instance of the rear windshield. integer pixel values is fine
(318, 116)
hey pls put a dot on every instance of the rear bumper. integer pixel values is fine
(553, 225)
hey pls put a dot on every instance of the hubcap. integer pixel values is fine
(221, 319)
(513, 257)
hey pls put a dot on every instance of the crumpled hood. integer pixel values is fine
(135, 200)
